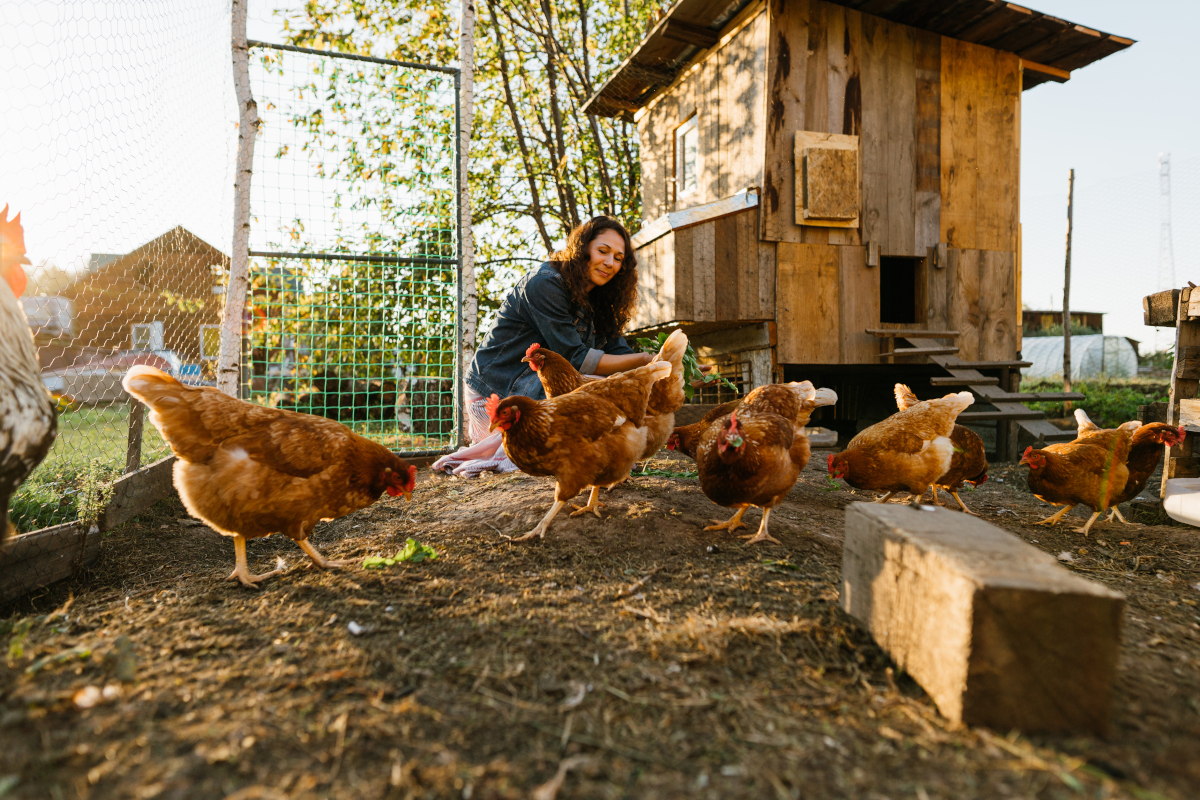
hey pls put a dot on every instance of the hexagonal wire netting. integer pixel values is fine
(119, 138)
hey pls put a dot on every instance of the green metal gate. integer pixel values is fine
(354, 308)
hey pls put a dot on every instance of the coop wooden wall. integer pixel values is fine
(717, 271)
(725, 90)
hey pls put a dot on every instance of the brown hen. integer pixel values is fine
(968, 464)
(1091, 471)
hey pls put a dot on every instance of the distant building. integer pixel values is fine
(1034, 321)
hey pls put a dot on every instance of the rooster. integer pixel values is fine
(588, 437)
(753, 455)
(967, 465)
(558, 377)
(1145, 452)
(909, 451)
(28, 422)
(1091, 471)
(250, 471)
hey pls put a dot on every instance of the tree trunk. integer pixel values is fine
(466, 117)
(229, 357)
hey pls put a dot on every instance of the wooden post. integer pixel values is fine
(229, 357)
(466, 114)
(1180, 460)
(1067, 290)
(133, 443)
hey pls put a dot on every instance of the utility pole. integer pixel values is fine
(1166, 251)
(1067, 290)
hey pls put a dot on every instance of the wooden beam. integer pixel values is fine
(985, 416)
(1039, 397)
(920, 351)
(902, 334)
(982, 381)
(989, 365)
(1052, 73)
(654, 76)
(1158, 309)
(995, 630)
(689, 33)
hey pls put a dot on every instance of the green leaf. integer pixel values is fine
(413, 551)
(831, 485)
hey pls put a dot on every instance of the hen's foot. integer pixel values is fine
(1115, 513)
(242, 572)
(883, 499)
(594, 505)
(1086, 528)
(1057, 518)
(963, 505)
(731, 524)
(540, 531)
(320, 560)
(762, 535)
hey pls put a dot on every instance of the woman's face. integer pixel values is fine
(605, 254)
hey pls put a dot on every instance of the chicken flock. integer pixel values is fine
(249, 471)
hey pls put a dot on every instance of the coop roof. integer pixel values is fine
(1051, 47)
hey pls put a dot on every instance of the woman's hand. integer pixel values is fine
(706, 370)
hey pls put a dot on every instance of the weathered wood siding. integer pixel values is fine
(726, 91)
(717, 271)
(827, 298)
(977, 294)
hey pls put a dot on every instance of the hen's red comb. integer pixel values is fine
(533, 348)
(493, 405)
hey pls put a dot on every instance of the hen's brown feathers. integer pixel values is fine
(969, 460)
(1091, 471)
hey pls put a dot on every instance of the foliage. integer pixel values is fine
(1077, 329)
(538, 166)
(413, 551)
(1107, 403)
(691, 367)
(1163, 360)
(95, 490)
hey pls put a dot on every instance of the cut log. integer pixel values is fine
(995, 630)
(1158, 309)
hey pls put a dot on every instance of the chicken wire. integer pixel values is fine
(117, 152)
(353, 309)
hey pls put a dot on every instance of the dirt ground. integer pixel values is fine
(634, 656)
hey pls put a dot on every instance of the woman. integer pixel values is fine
(577, 305)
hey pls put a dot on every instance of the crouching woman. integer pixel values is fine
(576, 304)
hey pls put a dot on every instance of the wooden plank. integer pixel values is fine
(1159, 309)
(1189, 414)
(694, 215)
(787, 66)
(1180, 462)
(685, 267)
(725, 272)
(919, 351)
(807, 304)
(997, 154)
(766, 280)
(816, 96)
(746, 236)
(1014, 414)
(989, 364)
(958, 143)
(904, 334)
(875, 104)
(997, 305)
(963, 312)
(954, 381)
(859, 306)
(708, 95)
(900, 135)
(138, 492)
(927, 173)
(133, 439)
(704, 256)
(994, 629)
(742, 100)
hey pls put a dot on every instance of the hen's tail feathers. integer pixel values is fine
(151, 385)
(823, 397)
(672, 351)
(904, 397)
(957, 402)
(1084, 422)
(654, 371)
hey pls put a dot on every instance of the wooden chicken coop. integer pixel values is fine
(833, 187)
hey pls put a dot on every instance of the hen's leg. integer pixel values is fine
(964, 505)
(1084, 530)
(540, 530)
(242, 572)
(594, 505)
(937, 502)
(883, 499)
(320, 560)
(1115, 513)
(762, 535)
(1054, 520)
(731, 524)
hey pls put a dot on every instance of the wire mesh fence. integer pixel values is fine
(354, 244)
(119, 135)
(116, 153)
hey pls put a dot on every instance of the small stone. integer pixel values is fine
(1066, 557)
(356, 629)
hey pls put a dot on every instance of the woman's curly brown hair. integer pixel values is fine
(612, 304)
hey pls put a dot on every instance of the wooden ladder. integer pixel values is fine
(1011, 412)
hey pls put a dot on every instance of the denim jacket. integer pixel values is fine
(537, 310)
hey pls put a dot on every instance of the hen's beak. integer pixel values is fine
(526, 360)
(492, 427)
(407, 494)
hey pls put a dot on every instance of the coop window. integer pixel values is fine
(210, 341)
(147, 336)
(898, 289)
(687, 158)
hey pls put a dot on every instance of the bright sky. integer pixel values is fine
(119, 120)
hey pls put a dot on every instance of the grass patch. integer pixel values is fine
(1108, 402)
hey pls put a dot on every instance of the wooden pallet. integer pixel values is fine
(1180, 308)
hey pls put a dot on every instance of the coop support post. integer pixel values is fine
(1067, 290)
(133, 442)
(468, 299)
(229, 357)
